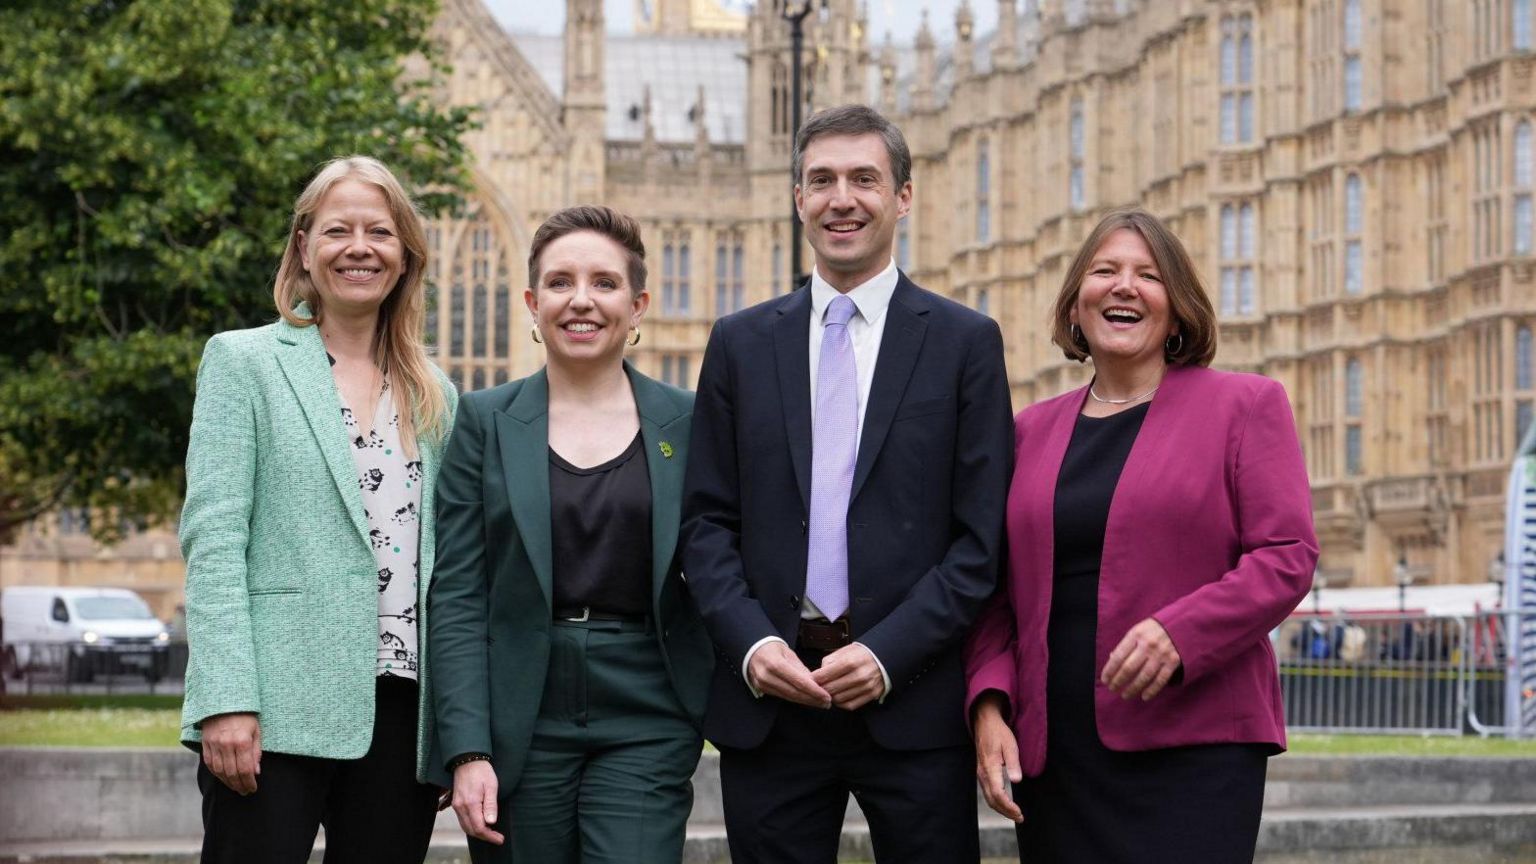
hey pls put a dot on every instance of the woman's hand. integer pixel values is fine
(474, 800)
(997, 752)
(232, 750)
(1143, 662)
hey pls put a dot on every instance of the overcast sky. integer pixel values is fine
(901, 17)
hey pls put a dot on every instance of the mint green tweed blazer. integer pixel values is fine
(282, 587)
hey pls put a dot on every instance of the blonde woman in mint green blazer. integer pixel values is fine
(308, 536)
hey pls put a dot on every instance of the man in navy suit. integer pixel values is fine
(852, 447)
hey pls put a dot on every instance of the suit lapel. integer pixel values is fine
(664, 457)
(1158, 428)
(899, 347)
(522, 434)
(301, 355)
(792, 350)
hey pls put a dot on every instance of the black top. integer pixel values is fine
(1089, 473)
(600, 527)
(1091, 803)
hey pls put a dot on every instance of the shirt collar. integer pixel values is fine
(871, 298)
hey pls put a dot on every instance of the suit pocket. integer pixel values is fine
(924, 407)
(276, 592)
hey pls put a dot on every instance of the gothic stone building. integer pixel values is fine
(1355, 179)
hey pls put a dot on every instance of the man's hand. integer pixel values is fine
(851, 676)
(776, 671)
(232, 750)
(997, 754)
(1142, 663)
(474, 800)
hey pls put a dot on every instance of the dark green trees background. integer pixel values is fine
(150, 153)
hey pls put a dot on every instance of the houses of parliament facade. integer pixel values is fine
(1354, 179)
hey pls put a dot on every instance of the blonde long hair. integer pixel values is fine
(399, 347)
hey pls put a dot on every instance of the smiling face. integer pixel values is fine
(1122, 305)
(850, 205)
(582, 302)
(352, 249)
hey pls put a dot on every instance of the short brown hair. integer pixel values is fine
(1187, 300)
(606, 221)
(855, 120)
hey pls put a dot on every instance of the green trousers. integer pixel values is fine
(609, 773)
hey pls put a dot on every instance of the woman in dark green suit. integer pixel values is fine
(569, 665)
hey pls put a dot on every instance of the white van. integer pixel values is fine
(81, 631)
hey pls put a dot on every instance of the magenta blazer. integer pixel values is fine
(1209, 532)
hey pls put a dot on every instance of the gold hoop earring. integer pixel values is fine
(534, 331)
(634, 339)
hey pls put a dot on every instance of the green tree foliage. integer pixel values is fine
(150, 152)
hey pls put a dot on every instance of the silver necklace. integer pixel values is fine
(1098, 398)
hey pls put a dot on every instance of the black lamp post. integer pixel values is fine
(795, 13)
(1404, 579)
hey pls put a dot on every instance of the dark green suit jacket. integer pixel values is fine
(490, 602)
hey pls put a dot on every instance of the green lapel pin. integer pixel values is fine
(666, 450)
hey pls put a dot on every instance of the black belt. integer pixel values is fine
(579, 614)
(819, 634)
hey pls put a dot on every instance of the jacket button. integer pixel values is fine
(794, 601)
(805, 527)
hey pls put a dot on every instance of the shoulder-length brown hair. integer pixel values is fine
(399, 346)
(1187, 300)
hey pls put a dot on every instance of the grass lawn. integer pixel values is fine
(1409, 745)
(154, 721)
(90, 721)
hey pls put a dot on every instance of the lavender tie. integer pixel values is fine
(834, 444)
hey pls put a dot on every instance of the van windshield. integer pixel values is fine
(112, 608)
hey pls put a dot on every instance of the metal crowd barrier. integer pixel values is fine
(1394, 673)
(147, 666)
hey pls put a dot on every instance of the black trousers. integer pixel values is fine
(373, 810)
(785, 799)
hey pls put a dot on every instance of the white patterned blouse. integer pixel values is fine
(391, 487)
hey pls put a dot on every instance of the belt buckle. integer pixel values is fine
(586, 615)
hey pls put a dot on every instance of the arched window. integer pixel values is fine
(1237, 79)
(983, 192)
(684, 289)
(1354, 226)
(1238, 288)
(1354, 72)
(481, 324)
(1354, 203)
(722, 286)
(1354, 396)
(1523, 358)
(668, 278)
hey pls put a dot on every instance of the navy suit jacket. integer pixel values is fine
(925, 519)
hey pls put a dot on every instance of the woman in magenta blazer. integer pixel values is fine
(1159, 526)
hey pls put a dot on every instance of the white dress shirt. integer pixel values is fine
(865, 331)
